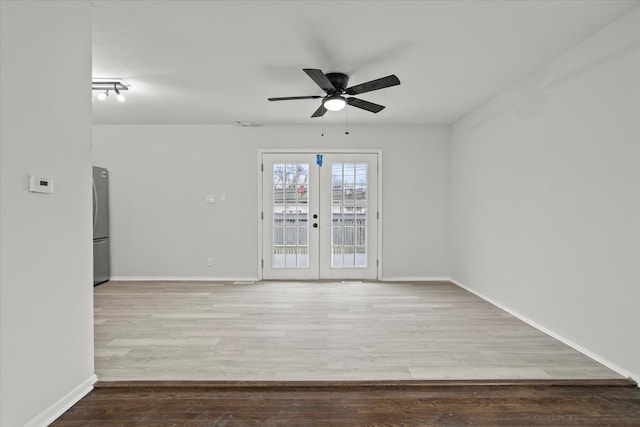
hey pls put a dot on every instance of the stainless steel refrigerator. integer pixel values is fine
(101, 259)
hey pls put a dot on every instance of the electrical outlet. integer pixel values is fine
(210, 261)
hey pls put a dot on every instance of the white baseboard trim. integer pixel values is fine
(50, 414)
(416, 279)
(255, 279)
(624, 372)
(182, 279)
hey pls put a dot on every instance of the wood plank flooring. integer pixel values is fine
(309, 331)
(435, 404)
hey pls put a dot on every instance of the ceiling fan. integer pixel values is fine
(335, 85)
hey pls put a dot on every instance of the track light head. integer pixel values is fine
(119, 96)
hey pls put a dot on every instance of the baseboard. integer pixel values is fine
(255, 279)
(354, 384)
(602, 360)
(416, 279)
(183, 279)
(50, 414)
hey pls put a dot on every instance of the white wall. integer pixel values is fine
(46, 299)
(545, 196)
(159, 176)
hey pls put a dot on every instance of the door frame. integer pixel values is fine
(380, 216)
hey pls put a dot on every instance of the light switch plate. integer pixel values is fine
(39, 184)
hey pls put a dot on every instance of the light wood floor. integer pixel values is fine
(284, 331)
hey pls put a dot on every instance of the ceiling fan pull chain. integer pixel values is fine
(346, 132)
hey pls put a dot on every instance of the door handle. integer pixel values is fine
(95, 204)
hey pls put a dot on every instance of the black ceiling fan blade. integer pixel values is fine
(319, 112)
(287, 98)
(380, 83)
(320, 78)
(365, 105)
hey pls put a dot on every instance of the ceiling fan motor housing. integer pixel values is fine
(339, 81)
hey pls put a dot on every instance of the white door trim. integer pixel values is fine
(259, 215)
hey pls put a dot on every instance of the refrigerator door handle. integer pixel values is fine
(95, 203)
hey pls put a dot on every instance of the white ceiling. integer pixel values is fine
(216, 62)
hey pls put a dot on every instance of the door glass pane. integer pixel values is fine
(361, 256)
(349, 215)
(290, 215)
(336, 256)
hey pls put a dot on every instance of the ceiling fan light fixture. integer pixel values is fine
(334, 103)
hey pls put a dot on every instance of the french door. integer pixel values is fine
(320, 216)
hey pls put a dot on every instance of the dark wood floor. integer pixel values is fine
(407, 403)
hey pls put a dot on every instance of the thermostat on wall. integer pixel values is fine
(40, 185)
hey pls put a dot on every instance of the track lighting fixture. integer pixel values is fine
(105, 85)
